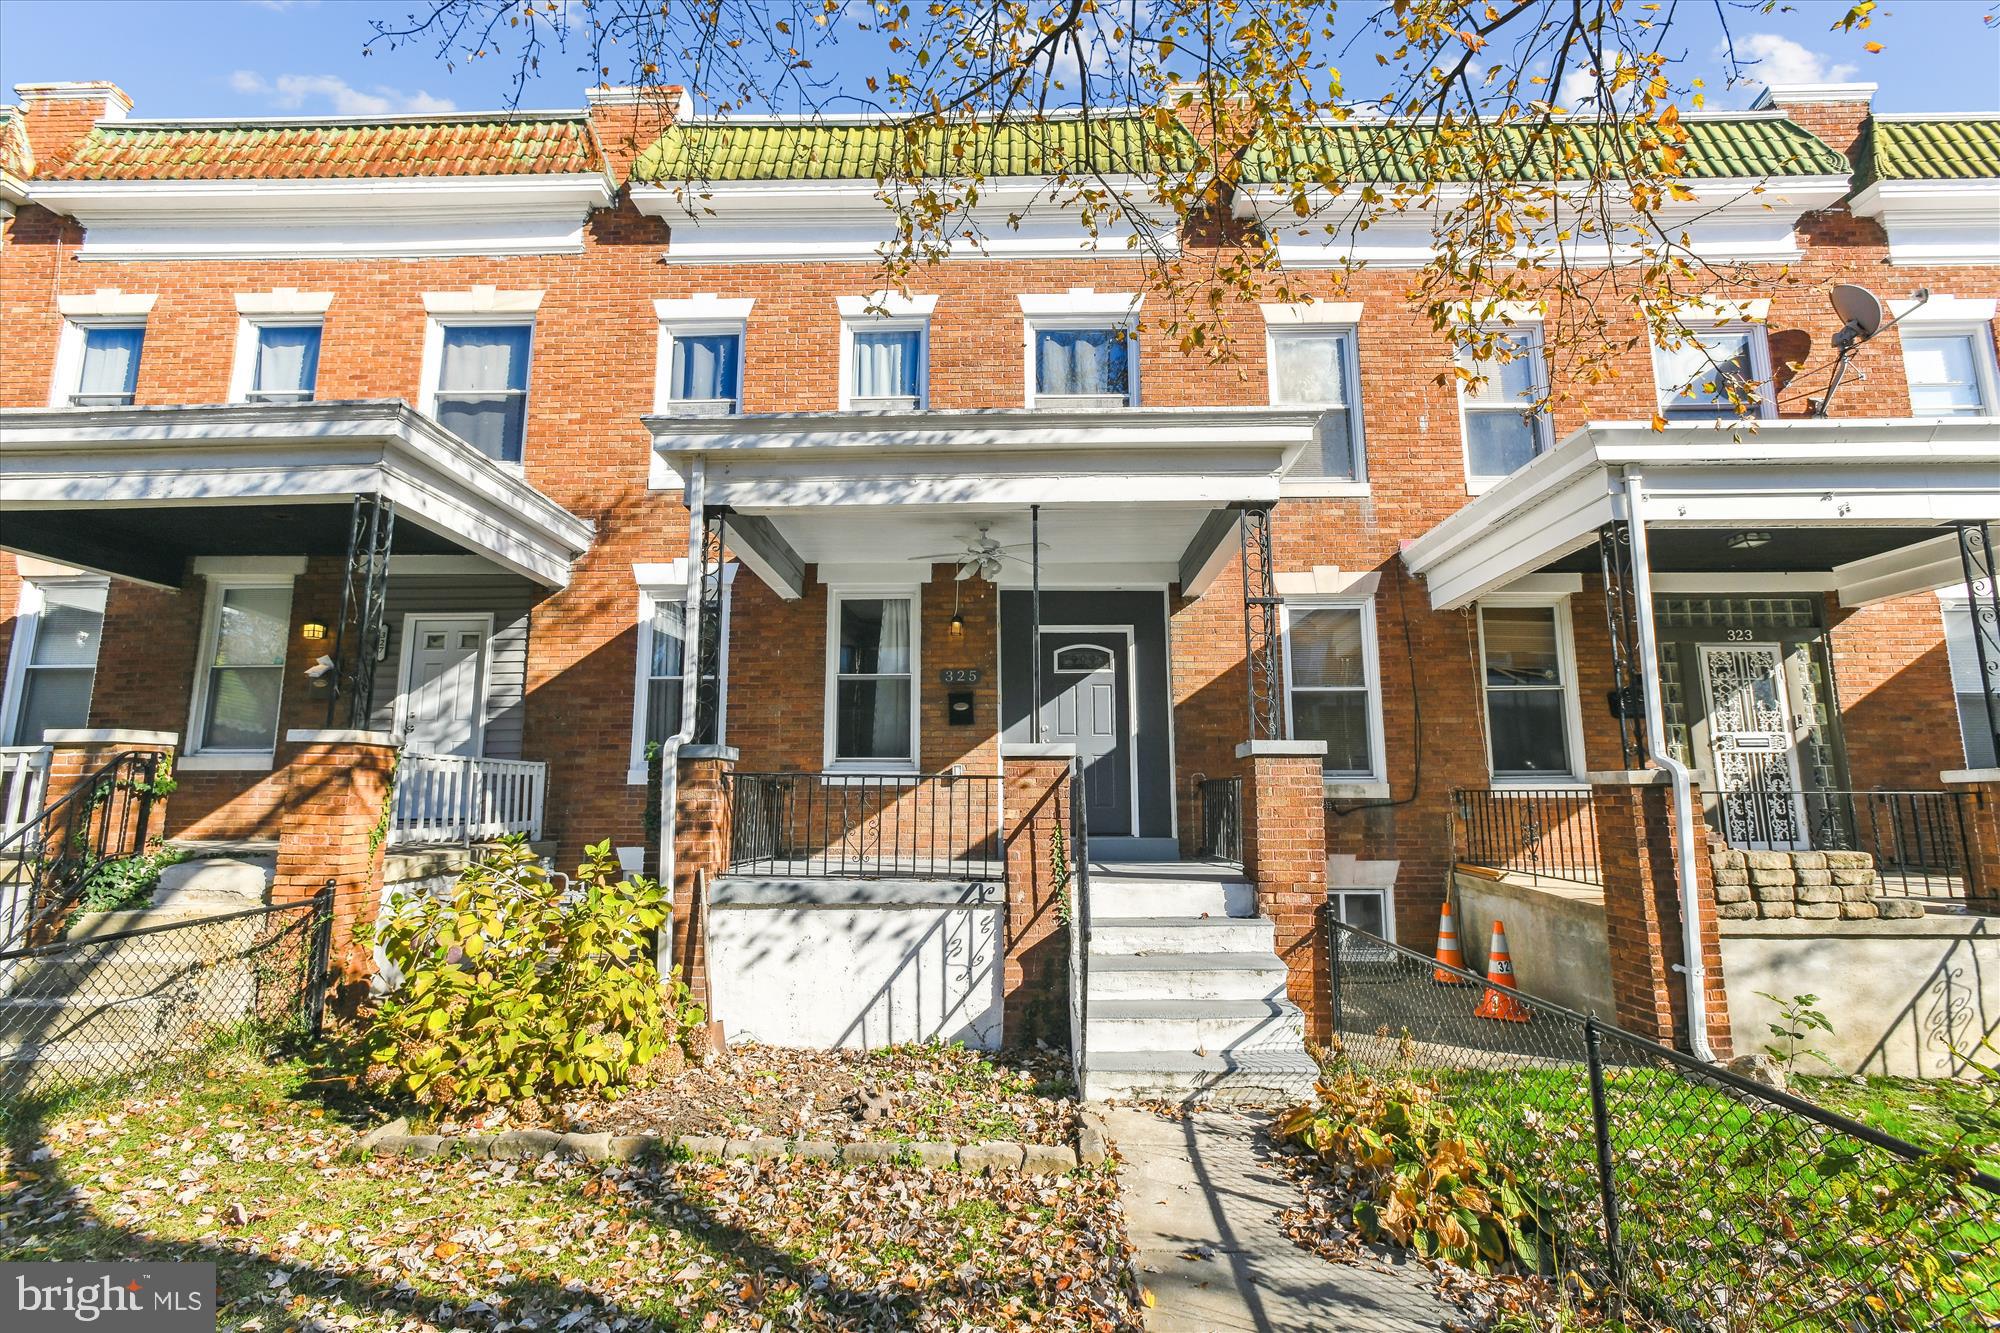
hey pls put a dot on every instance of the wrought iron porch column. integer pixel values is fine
(1982, 592)
(1260, 625)
(1035, 634)
(708, 643)
(1614, 548)
(364, 598)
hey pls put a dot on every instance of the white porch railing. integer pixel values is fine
(24, 784)
(453, 798)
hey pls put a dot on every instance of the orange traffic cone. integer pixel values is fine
(1499, 1003)
(1448, 952)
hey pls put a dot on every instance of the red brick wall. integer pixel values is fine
(1284, 855)
(1034, 970)
(335, 793)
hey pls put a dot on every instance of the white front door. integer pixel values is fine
(1750, 735)
(439, 703)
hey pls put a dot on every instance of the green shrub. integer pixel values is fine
(514, 989)
(114, 886)
(1418, 1179)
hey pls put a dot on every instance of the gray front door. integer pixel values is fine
(1087, 700)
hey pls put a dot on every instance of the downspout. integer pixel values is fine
(670, 749)
(1694, 974)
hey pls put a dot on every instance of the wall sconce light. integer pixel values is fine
(312, 630)
(957, 625)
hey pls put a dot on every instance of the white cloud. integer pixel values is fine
(1770, 58)
(296, 92)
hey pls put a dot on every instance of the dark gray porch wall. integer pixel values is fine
(508, 597)
(1145, 612)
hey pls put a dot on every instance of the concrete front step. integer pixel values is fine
(1257, 1077)
(223, 934)
(1198, 1026)
(41, 1020)
(125, 974)
(1112, 936)
(1187, 976)
(1129, 896)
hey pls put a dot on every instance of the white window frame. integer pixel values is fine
(1571, 688)
(281, 307)
(27, 625)
(69, 358)
(1378, 750)
(1080, 308)
(243, 372)
(1954, 610)
(434, 366)
(1951, 325)
(223, 574)
(1317, 319)
(107, 307)
(691, 317)
(1520, 326)
(668, 583)
(884, 312)
(1386, 892)
(835, 596)
(1760, 368)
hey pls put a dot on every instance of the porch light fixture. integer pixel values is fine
(1748, 541)
(957, 626)
(312, 630)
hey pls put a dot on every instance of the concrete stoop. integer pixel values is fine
(1186, 993)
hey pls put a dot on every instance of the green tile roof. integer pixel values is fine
(750, 151)
(496, 145)
(1940, 148)
(1717, 148)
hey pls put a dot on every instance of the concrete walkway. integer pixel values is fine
(1202, 1205)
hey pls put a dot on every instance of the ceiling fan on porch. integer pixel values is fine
(981, 556)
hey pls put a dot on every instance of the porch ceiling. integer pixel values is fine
(135, 491)
(1862, 504)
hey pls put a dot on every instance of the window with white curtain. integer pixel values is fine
(109, 365)
(873, 680)
(1718, 372)
(1529, 680)
(482, 389)
(243, 665)
(1974, 726)
(1083, 367)
(886, 367)
(705, 371)
(666, 658)
(61, 623)
(1950, 372)
(285, 364)
(1504, 428)
(1331, 689)
(1315, 367)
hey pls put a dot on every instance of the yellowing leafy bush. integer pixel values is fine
(1418, 1180)
(513, 988)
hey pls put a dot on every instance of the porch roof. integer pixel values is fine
(135, 491)
(1857, 505)
(1128, 495)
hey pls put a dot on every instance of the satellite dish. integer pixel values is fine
(1860, 312)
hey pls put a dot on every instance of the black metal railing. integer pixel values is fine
(1222, 819)
(1672, 1188)
(47, 863)
(1547, 831)
(866, 826)
(1078, 909)
(116, 996)
(1919, 839)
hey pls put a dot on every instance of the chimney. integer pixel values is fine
(1834, 112)
(628, 120)
(59, 115)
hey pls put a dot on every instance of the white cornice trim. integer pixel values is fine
(106, 303)
(1782, 95)
(318, 219)
(482, 301)
(704, 308)
(996, 430)
(1716, 310)
(116, 100)
(1946, 310)
(280, 301)
(654, 577)
(887, 305)
(1935, 222)
(1312, 312)
(1081, 303)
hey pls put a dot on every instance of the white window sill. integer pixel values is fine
(1553, 782)
(1481, 485)
(860, 772)
(1318, 489)
(1354, 789)
(246, 761)
(636, 775)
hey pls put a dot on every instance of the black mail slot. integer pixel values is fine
(958, 708)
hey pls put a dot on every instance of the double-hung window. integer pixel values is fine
(1505, 427)
(1333, 692)
(1717, 372)
(242, 667)
(667, 653)
(1951, 371)
(284, 363)
(1084, 367)
(58, 630)
(1974, 726)
(108, 364)
(886, 370)
(872, 676)
(1533, 728)
(1316, 367)
(482, 385)
(705, 371)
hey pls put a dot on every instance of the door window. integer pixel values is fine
(1083, 658)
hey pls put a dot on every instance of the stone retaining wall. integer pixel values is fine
(1808, 886)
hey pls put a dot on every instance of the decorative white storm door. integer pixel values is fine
(1750, 735)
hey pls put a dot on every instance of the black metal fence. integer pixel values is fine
(1671, 1188)
(1549, 831)
(866, 826)
(1222, 819)
(116, 996)
(1918, 838)
(47, 863)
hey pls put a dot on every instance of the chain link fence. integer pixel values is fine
(1675, 1192)
(114, 996)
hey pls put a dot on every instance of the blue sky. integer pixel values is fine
(273, 57)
